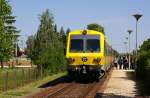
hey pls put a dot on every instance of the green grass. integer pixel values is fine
(30, 88)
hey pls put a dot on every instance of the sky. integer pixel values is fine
(114, 15)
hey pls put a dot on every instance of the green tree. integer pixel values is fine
(9, 27)
(46, 51)
(62, 36)
(143, 62)
(7, 31)
(30, 46)
(95, 27)
(62, 32)
(68, 30)
(55, 28)
(145, 46)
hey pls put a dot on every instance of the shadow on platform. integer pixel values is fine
(142, 89)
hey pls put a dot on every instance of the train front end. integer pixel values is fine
(85, 53)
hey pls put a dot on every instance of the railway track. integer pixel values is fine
(61, 91)
(74, 89)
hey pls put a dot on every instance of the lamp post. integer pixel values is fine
(137, 17)
(125, 44)
(129, 31)
(127, 38)
(127, 47)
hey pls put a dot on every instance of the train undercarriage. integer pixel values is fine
(85, 72)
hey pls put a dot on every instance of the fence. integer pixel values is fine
(13, 78)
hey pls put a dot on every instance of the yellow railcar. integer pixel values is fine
(87, 53)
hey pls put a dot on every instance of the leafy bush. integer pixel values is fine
(143, 63)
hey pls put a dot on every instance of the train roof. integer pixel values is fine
(80, 31)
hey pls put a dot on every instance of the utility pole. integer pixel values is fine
(137, 17)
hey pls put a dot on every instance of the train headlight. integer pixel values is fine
(70, 60)
(97, 60)
(84, 32)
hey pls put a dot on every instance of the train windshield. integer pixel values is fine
(76, 44)
(92, 45)
(85, 43)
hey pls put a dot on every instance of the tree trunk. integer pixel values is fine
(2, 66)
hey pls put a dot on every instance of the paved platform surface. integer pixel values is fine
(121, 84)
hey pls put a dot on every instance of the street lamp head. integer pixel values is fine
(137, 16)
(130, 31)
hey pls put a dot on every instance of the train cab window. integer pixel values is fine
(93, 45)
(85, 43)
(76, 45)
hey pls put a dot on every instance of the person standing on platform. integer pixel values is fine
(132, 63)
(120, 62)
(115, 63)
(125, 62)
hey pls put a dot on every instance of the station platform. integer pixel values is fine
(121, 84)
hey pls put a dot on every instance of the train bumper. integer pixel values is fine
(84, 69)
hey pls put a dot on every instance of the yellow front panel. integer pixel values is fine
(90, 56)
